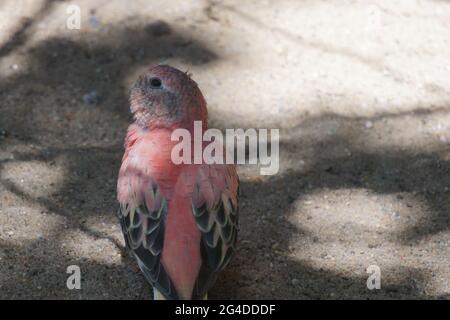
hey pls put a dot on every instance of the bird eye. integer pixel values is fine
(155, 83)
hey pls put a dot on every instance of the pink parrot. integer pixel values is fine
(179, 221)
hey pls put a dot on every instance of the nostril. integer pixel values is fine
(155, 83)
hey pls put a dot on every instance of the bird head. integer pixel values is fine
(167, 97)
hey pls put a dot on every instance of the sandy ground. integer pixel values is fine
(358, 89)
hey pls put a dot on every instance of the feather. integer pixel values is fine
(216, 213)
(143, 231)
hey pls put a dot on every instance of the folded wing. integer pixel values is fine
(142, 220)
(215, 209)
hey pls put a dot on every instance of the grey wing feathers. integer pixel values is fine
(143, 230)
(218, 223)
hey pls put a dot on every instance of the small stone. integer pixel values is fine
(91, 98)
(368, 124)
(141, 53)
(158, 29)
(15, 66)
(329, 169)
(295, 282)
(3, 134)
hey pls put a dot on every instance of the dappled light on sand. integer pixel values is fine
(361, 102)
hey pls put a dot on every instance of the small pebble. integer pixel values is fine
(368, 124)
(158, 28)
(141, 53)
(3, 134)
(91, 98)
(295, 282)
